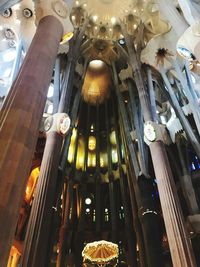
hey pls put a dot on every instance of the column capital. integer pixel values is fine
(155, 132)
(56, 8)
(59, 122)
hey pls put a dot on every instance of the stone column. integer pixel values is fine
(180, 245)
(19, 123)
(37, 244)
(39, 227)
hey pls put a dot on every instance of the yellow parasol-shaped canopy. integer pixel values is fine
(100, 252)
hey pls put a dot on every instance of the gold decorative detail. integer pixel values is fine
(96, 87)
(30, 187)
(92, 143)
(100, 253)
(66, 37)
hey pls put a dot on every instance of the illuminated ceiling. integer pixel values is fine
(96, 87)
(106, 17)
(150, 22)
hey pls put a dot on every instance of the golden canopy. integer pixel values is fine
(100, 253)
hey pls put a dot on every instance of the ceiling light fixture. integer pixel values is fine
(88, 201)
(113, 20)
(95, 17)
(96, 64)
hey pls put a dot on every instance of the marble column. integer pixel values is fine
(19, 124)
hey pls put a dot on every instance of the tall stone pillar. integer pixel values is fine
(39, 227)
(19, 123)
(179, 243)
(37, 246)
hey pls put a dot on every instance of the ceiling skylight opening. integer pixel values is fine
(95, 17)
(96, 64)
(113, 20)
(121, 41)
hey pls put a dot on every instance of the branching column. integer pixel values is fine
(180, 245)
(19, 123)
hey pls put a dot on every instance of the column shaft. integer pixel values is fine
(38, 254)
(180, 245)
(19, 123)
(35, 251)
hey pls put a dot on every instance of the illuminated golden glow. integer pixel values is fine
(66, 37)
(91, 155)
(100, 252)
(113, 140)
(96, 64)
(114, 155)
(72, 146)
(92, 143)
(97, 82)
(103, 160)
(91, 159)
(31, 184)
(80, 154)
(14, 257)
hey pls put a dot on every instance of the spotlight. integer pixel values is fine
(88, 201)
